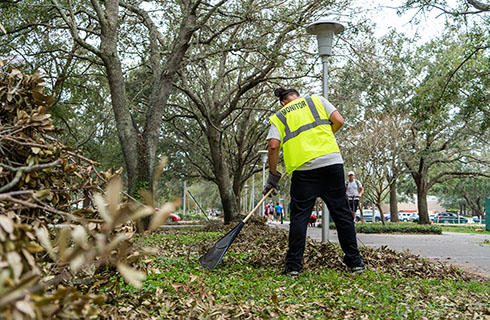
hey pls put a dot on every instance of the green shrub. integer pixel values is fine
(394, 228)
(398, 228)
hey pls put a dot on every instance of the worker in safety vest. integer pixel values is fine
(304, 127)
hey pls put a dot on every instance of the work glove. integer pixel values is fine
(272, 181)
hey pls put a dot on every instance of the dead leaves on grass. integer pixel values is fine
(259, 247)
(262, 246)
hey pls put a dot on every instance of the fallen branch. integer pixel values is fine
(42, 207)
(21, 170)
(4, 196)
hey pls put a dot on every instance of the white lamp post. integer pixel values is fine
(265, 155)
(252, 194)
(245, 202)
(185, 198)
(324, 30)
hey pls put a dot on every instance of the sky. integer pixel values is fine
(383, 12)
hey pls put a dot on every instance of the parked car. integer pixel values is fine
(174, 217)
(317, 214)
(449, 217)
(416, 217)
(368, 216)
(408, 216)
(478, 220)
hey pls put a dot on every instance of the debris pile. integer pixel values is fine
(57, 233)
(267, 247)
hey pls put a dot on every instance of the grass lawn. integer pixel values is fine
(463, 228)
(248, 284)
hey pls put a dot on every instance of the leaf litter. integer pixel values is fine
(186, 291)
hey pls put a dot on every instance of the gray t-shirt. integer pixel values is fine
(321, 161)
(352, 188)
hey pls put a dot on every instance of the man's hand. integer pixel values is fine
(272, 182)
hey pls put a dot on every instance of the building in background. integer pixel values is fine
(432, 204)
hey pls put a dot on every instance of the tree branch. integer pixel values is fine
(456, 70)
(74, 30)
(479, 5)
(444, 176)
(21, 170)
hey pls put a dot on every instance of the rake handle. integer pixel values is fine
(261, 201)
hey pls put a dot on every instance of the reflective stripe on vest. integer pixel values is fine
(318, 121)
(306, 133)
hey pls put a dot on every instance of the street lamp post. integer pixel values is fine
(264, 154)
(245, 202)
(252, 195)
(184, 200)
(281, 202)
(324, 30)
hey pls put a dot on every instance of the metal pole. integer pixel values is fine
(281, 202)
(325, 212)
(487, 214)
(253, 191)
(263, 185)
(246, 199)
(197, 203)
(325, 76)
(185, 193)
(325, 223)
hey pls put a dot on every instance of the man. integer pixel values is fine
(354, 191)
(270, 217)
(304, 128)
(278, 208)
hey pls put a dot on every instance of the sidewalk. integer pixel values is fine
(461, 249)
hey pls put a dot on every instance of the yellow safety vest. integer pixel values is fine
(306, 131)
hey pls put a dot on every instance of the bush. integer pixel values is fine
(398, 228)
(390, 227)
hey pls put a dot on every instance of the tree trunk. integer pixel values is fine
(228, 200)
(237, 189)
(475, 205)
(422, 203)
(381, 214)
(222, 175)
(393, 203)
(133, 147)
(126, 132)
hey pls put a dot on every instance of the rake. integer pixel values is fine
(212, 258)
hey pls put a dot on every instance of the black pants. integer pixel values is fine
(328, 184)
(353, 204)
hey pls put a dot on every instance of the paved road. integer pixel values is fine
(462, 249)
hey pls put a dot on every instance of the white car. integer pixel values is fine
(368, 216)
(407, 216)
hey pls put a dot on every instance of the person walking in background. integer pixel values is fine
(266, 211)
(269, 209)
(354, 191)
(278, 211)
(304, 127)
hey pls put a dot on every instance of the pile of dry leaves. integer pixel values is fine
(269, 249)
(57, 231)
(194, 293)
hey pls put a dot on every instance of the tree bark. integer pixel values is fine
(222, 174)
(422, 203)
(474, 205)
(393, 203)
(479, 5)
(128, 136)
(381, 214)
